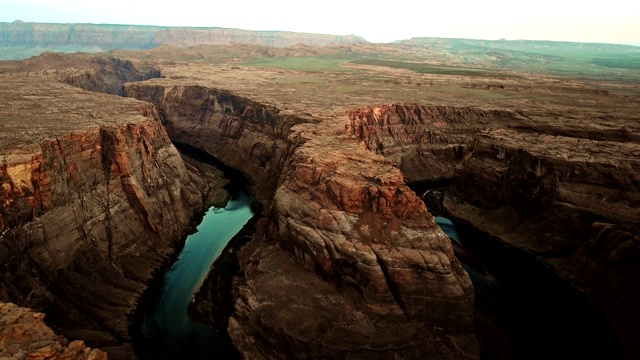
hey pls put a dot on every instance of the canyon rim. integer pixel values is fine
(96, 199)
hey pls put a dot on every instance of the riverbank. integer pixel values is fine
(168, 331)
(524, 310)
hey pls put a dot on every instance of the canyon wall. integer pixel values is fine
(343, 214)
(426, 142)
(566, 192)
(24, 335)
(242, 133)
(90, 72)
(93, 192)
(91, 204)
(570, 201)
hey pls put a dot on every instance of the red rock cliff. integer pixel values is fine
(426, 141)
(23, 335)
(91, 203)
(572, 202)
(344, 214)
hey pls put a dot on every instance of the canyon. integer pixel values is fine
(96, 199)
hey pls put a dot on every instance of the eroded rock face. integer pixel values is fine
(351, 218)
(242, 133)
(345, 214)
(284, 311)
(24, 335)
(571, 201)
(427, 142)
(90, 72)
(88, 215)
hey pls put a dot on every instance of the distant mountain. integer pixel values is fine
(593, 60)
(24, 39)
(541, 46)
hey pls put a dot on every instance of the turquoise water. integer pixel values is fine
(448, 227)
(483, 285)
(539, 315)
(169, 326)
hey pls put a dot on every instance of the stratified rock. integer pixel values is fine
(24, 335)
(244, 134)
(284, 311)
(429, 130)
(90, 72)
(93, 198)
(427, 142)
(572, 202)
(345, 214)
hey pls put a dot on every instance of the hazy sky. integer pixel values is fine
(613, 21)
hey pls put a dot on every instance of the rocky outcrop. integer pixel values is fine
(346, 215)
(90, 72)
(242, 133)
(88, 213)
(101, 38)
(24, 335)
(573, 202)
(427, 142)
(284, 311)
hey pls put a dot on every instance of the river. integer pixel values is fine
(167, 327)
(524, 310)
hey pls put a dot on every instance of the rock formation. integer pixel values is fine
(573, 202)
(426, 142)
(565, 191)
(344, 249)
(344, 214)
(24, 335)
(94, 198)
(95, 73)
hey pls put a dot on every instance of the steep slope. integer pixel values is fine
(574, 203)
(559, 183)
(344, 214)
(23, 334)
(90, 72)
(86, 182)
(426, 142)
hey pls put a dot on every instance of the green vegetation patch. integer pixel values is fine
(468, 92)
(316, 64)
(302, 80)
(626, 62)
(431, 69)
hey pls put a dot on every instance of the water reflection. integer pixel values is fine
(168, 327)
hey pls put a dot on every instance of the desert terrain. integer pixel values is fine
(534, 145)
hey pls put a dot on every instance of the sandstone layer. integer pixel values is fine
(93, 73)
(341, 231)
(560, 184)
(344, 213)
(24, 335)
(426, 142)
(534, 112)
(573, 202)
(94, 198)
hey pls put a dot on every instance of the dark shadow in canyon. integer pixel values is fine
(523, 309)
(213, 303)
